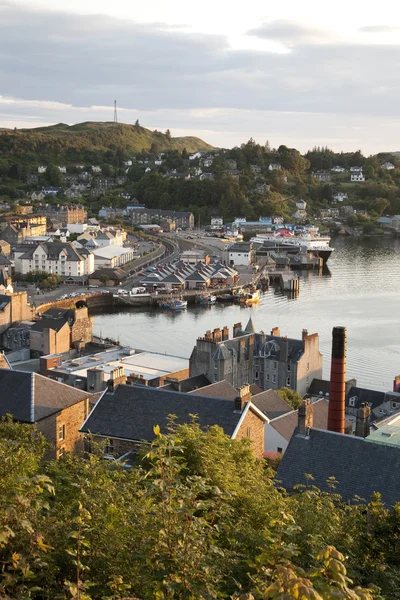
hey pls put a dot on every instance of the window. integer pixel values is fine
(256, 375)
(273, 378)
(275, 364)
(288, 381)
(394, 405)
(109, 447)
(288, 367)
(267, 377)
(279, 450)
(61, 433)
(308, 366)
(352, 401)
(248, 432)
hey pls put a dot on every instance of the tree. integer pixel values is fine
(53, 175)
(291, 396)
(168, 135)
(103, 279)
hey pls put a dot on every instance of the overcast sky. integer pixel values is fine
(296, 73)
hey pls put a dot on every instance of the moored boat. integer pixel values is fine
(176, 305)
(208, 300)
(249, 297)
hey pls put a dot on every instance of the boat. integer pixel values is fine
(176, 305)
(310, 240)
(251, 296)
(209, 300)
(227, 298)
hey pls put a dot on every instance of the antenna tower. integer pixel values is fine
(115, 113)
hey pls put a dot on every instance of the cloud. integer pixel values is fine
(379, 29)
(290, 32)
(63, 67)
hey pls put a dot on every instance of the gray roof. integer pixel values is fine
(250, 326)
(54, 324)
(131, 412)
(271, 404)
(220, 389)
(360, 467)
(4, 301)
(53, 250)
(29, 397)
(371, 397)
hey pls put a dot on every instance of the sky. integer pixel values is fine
(295, 73)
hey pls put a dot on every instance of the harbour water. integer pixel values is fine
(360, 290)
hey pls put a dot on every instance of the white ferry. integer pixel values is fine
(310, 240)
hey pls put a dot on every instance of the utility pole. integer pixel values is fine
(115, 113)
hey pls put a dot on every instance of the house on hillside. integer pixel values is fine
(338, 169)
(126, 417)
(275, 167)
(357, 177)
(56, 409)
(388, 166)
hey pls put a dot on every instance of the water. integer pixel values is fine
(360, 291)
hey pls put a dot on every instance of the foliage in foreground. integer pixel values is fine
(197, 517)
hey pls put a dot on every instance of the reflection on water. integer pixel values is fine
(360, 291)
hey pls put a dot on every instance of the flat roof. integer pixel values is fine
(388, 433)
(112, 251)
(148, 364)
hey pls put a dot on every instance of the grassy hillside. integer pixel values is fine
(76, 140)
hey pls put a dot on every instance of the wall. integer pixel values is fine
(73, 418)
(82, 326)
(273, 440)
(309, 366)
(50, 341)
(252, 427)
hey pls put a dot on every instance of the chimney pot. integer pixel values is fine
(304, 334)
(243, 397)
(276, 332)
(363, 420)
(305, 416)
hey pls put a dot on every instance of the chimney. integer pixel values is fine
(304, 334)
(208, 335)
(284, 354)
(337, 387)
(217, 337)
(225, 333)
(396, 384)
(305, 416)
(276, 332)
(243, 397)
(236, 329)
(362, 420)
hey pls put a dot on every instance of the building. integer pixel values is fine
(262, 188)
(146, 216)
(355, 169)
(42, 169)
(59, 330)
(395, 221)
(357, 177)
(24, 209)
(13, 305)
(301, 204)
(217, 221)
(241, 253)
(353, 467)
(340, 196)
(323, 177)
(65, 214)
(93, 371)
(270, 361)
(112, 256)
(17, 227)
(193, 257)
(96, 169)
(5, 248)
(338, 169)
(388, 166)
(126, 417)
(255, 169)
(57, 410)
(275, 167)
(59, 258)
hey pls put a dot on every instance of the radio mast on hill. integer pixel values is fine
(115, 113)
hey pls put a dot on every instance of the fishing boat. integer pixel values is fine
(249, 297)
(176, 305)
(209, 300)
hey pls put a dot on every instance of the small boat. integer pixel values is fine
(226, 298)
(250, 297)
(176, 305)
(209, 300)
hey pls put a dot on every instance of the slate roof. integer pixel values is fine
(131, 412)
(220, 389)
(361, 468)
(317, 386)
(55, 313)
(271, 404)
(53, 250)
(189, 384)
(4, 260)
(4, 301)
(29, 397)
(371, 397)
(54, 324)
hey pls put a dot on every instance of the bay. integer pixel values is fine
(360, 291)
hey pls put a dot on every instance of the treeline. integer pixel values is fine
(196, 517)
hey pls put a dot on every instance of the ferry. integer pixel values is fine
(310, 240)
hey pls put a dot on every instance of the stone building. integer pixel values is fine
(56, 409)
(13, 305)
(271, 361)
(59, 330)
(70, 213)
(127, 415)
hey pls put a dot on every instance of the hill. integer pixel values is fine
(75, 140)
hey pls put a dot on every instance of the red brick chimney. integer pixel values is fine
(337, 387)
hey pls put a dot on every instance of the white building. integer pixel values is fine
(357, 177)
(301, 204)
(42, 169)
(355, 169)
(207, 162)
(241, 254)
(77, 227)
(388, 166)
(275, 167)
(340, 197)
(58, 258)
(158, 162)
(62, 169)
(127, 163)
(338, 169)
(113, 256)
(96, 169)
(217, 221)
(195, 156)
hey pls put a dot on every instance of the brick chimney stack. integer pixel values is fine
(243, 396)
(237, 328)
(362, 420)
(225, 333)
(304, 334)
(305, 416)
(337, 387)
(276, 332)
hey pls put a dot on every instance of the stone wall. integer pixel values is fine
(82, 327)
(252, 427)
